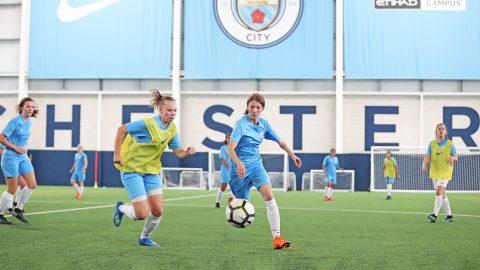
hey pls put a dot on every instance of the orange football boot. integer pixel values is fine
(279, 243)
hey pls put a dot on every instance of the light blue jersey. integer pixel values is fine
(224, 171)
(453, 151)
(331, 165)
(248, 138)
(139, 131)
(17, 132)
(79, 162)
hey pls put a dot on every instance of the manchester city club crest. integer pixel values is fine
(258, 23)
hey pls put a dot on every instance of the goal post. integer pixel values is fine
(183, 178)
(466, 172)
(314, 180)
(275, 163)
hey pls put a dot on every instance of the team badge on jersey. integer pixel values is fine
(258, 23)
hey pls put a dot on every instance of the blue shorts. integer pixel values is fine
(241, 187)
(78, 177)
(224, 176)
(331, 179)
(138, 186)
(389, 180)
(14, 167)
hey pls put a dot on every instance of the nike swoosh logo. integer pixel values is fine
(67, 13)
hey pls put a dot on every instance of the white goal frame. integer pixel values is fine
(202, 184)
(415, 151)
(286, 172)
(352, 184)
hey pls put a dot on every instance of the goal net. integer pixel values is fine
(466, 172)
(314, 180)
(275, 163)
(184, 178)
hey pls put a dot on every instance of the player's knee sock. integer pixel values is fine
(75, 186)
(446, 206)
(128, 210)
(438, 204)
(5, 200)
(389, 189)
(331, 192)
(151, 223)
(81, 189)
(219, 195)
(24, 196)
(273, 216)
(17, 194)
(326, 191)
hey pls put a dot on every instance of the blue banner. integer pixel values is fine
(100, 39)
(270, 39)
(421, 39)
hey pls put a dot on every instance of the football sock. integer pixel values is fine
(389, 189)
(151, 223)
(5, 201)
(438, 204)
(24, 196)
(446, 206)
(219, 195)
(273, 216)
(326, 191)
(128, 210)
(81, 189)
(17, 194)
(75, 186)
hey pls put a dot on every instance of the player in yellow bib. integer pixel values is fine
(390, 172)
(441, 154)
(138, 148)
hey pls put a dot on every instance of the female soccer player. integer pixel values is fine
(15, 161)
(247, 168)
(224, 175)
(138, 148)
(441, 154)
(330, 165)
(79, 168)
(390, 172)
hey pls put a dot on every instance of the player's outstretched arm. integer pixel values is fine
(297, 160)
(181, 153)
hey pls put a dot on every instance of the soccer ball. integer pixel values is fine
(240, 213)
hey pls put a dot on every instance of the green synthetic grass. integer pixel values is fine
(356, 231)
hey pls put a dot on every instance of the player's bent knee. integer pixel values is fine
(157, 212)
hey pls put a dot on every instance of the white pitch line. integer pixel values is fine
(110, 205)
(336, 210)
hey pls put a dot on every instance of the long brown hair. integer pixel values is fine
(158, 100)
(255, 97)
(22, 103)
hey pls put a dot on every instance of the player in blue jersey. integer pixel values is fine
(138, 149)
(441, 154)
(79, 168)
(330, 166)
(15, 161)
(225, 167)
(247, 167)
(390, 172)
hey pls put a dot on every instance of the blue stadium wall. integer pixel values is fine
(52, 166)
